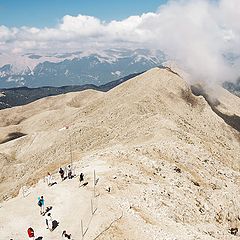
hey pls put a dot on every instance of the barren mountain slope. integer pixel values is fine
(174, 158)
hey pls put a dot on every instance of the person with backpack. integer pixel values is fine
(49, 222)
(41, 203)
(30, 232)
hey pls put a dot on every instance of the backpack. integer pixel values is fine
(30, 232)
(39, 203)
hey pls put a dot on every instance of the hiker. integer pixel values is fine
(31, 233)
(233, 231)
(69, 171)
(65, 235)
(81, 179)
(61, 173)
(65, 172)
(41, 204)
(49, 179)
(49, 222)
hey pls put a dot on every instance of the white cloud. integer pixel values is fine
(81, 25)
(194, 33)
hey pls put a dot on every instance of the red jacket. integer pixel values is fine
(30, 232)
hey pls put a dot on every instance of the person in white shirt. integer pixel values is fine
(69, 170)
(49, 222)
(49, 179)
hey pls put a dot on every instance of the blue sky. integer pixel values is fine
(42, 13)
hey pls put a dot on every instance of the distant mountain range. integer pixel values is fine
(233, 87)
(11, 97)
(77, 68)
(25, 79)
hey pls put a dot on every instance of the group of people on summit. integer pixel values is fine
(31, 234)
(64, 174)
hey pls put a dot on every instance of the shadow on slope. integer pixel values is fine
(233, 121)
(13, 136)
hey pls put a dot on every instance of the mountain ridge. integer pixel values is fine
(171, 162)
(10, 97)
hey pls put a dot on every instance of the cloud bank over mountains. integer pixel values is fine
(202, 36)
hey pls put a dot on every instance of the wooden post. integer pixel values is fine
(82, 228)
(23, 193)
(94, 183)
(70, 145)
(92, 206)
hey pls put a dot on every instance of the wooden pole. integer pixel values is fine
(94, 183)
(92, 206)
(23, 193)
(70, 142)
(82, 228)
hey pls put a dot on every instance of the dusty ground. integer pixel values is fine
(172, 164)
